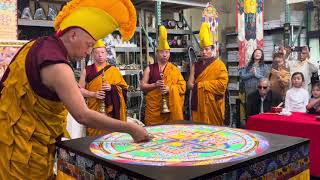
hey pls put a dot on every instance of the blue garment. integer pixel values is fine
(251, 81)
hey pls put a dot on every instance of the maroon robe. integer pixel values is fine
(45, 51)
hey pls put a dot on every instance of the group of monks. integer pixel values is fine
(208, 81)
(38, 88)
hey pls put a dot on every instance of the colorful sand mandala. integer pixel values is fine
(181, 145)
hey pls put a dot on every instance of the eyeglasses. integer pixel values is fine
(262, 87)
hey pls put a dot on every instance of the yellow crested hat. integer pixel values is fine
(163, 39)
(99, 44)
(98, 17)
(205, 35)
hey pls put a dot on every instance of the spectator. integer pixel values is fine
(305, 66)
(314, 104)
(280, 75)
(255, 70)
(297, 97)
(262, 99)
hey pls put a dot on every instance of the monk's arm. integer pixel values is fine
(60, 79)
(181, 83)
(144, 85)
(190, 83)
(82, 85)
(218, 86)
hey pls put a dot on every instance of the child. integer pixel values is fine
(314, 104)
(297, 97)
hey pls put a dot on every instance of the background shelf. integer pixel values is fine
(41, 23)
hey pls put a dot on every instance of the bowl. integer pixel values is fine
(276, 109)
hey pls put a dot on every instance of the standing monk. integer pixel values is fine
(39, 87)
(172, 86)
(208, 81)
(111, 93)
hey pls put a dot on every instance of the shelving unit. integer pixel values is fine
(127, 49)
(37, 23)
(168, 5)
(313, 29)
(134, 94)
(174, 50)
(129, 72)
(233, 69)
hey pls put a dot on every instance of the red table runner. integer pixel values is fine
(298, 124)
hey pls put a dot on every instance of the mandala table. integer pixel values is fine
(185, 152)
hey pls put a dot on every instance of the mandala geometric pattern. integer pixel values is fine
(181, 145)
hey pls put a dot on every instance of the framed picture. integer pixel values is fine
(8, 50)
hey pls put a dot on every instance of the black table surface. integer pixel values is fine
(277, 144)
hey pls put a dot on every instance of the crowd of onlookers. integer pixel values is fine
(291, 82)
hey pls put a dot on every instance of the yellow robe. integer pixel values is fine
(177, 88)
(212, 84)
(29, 125)
(114, 77)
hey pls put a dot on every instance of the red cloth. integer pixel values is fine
(298, 124)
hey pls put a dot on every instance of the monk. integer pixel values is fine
(172, 86)
(39, 87)
(113, 91)
(208, 81)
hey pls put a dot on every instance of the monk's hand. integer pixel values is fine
(106, 87)
(191, 86)
(164, 89)
(99, 94)
(159, 83)
(138, 133)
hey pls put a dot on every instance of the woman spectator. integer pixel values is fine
(280, 75)
(254, 71)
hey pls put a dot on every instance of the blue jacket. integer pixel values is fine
(251, 81)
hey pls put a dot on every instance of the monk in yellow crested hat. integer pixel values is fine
(39, 89)
(205, 35)
(163, 39)
(104, 87)
(99, 44)
(208, 81)
(163, 80)
(98, 17)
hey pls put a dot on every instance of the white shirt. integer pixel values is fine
(296, 99)
(306, 68)
(261, 105)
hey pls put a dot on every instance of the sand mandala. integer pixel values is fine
(181, 145)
